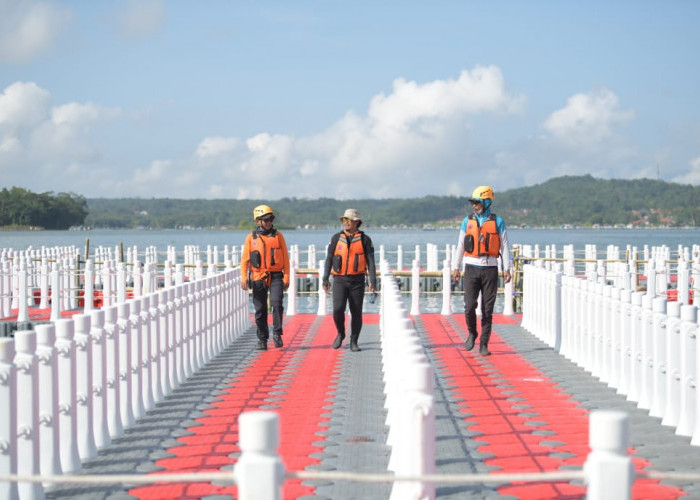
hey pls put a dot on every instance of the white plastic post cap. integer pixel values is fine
(258, 431)
(609, 431)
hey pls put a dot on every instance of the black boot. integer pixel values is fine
(277, 339)
(262, 345)
(469, 344)
(353, 344)
(338, 340)
(484, 351)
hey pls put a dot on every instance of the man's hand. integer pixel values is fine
(285, 286)
(455, 275)
(506, 277)
(244, 284)
(326, 285)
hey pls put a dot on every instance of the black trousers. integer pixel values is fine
(348, 289)
(276, 292)
(482, 280)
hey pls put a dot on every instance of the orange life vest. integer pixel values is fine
(266, 253)
(482, 241)
(349, 257)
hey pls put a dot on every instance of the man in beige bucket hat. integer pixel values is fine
(350, 257)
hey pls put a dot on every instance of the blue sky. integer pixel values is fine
(267, 99)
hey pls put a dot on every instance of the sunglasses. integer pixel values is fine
(269, 218)
(345, 219)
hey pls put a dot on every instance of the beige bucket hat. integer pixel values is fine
(351, 214)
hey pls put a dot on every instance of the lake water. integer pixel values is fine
(21, 240)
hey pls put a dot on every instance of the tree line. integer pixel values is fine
(22, 208)
(575, 200)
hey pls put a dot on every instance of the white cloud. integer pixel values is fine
(157, 171)
(588, 118)
(410, 142)
(141, 18)
(439, 137)
(692, 176)
(54, 143)
(23, 105)
(211, 147)
(28, 28)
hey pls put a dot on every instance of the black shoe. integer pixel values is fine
(277, 339)
(470, 342)
(262, 345)
(483, 350)
(338, 341)
(353, 346)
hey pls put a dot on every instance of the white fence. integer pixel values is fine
(98, 372)
(57, 278)
(115, 363)
(635, 340)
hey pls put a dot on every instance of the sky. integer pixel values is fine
(228, 99)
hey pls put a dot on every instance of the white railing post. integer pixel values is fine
(608, 469)
(645, 352)
(292, 290)
(446, 288)
(689, 330)
(83, 384)
(178, 351)
(114, 398)
(415, 286)
(146, 365)
(50, 462)
(418, 413)
(658, 354)
(99, 378)
(154, 317)
(44, 284)
(635, 347)
(136, 372)
(55, 292)
(163, 342)
(673, 364)
(508, 297)
(259, 472)
(89, 286)
(67, 401)
(22, 293)
(28, 446)
(8, 417)
(125, 388)
(322, 295)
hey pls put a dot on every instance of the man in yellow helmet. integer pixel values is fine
(265, 267)
(482, 240)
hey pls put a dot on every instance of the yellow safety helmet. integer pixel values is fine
(261, 211)
(482, 193)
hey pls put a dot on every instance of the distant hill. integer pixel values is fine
(574, 200)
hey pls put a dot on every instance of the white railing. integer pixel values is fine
(636, 341)
(58, 279)
(68, 387)
(408, 387)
